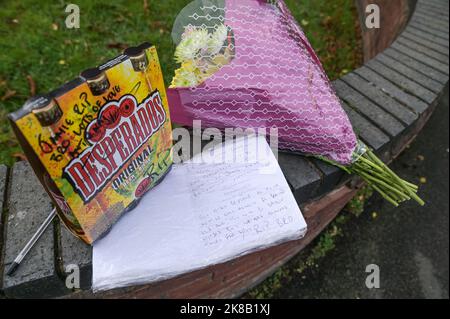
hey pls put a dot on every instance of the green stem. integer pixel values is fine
(371, 164)
(380, 182)
(397, 178)
(368, 165)
(384, 177)
(385, 196)
(381, 178)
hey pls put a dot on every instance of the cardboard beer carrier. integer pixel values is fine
(101, 141)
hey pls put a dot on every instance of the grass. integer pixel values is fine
(37, 48)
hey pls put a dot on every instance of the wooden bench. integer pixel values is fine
(388, 100)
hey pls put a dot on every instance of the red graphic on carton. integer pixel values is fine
(121, 129)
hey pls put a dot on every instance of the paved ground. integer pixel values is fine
(409, 244)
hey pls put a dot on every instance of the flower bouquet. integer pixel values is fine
(247, 64)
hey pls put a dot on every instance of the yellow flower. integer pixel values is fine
(187, 75)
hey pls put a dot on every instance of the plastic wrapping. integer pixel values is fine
(264, 75)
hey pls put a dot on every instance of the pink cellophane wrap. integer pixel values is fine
(275, 80)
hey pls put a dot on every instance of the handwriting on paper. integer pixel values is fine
(244, 214)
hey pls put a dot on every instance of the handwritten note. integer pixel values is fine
(201, 214)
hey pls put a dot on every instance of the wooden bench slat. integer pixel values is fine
(403, 82)
(431, 45)
(3, 187)
(401, 112)
(28, 206)
(431, 26)
(392, 89)
(430, 13)
(434, 10)
(443, 68)
(425, 28)
(331, 177)
(383, 120)
(416, 65)
(301, 175)
(436, 3)
(436, 23)
(368, 132)
(443, 58)
(430, 19)
(3, 178)
(427, 36)
(426, 82)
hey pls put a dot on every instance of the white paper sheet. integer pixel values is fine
(201, 214)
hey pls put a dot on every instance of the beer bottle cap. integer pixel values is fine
(138, 58)
(47, 111)
(96, 80)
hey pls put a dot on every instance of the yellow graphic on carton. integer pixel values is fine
(106, 150)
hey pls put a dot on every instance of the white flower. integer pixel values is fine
(217, 40)
(193, 40)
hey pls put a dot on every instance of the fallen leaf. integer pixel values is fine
(156, 24)
(20, 156)
(120, 18)
(32, 85)
(145, 6)
(327, 21)
(9, 94)
(334, 232)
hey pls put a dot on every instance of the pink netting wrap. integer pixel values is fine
(274, 80)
